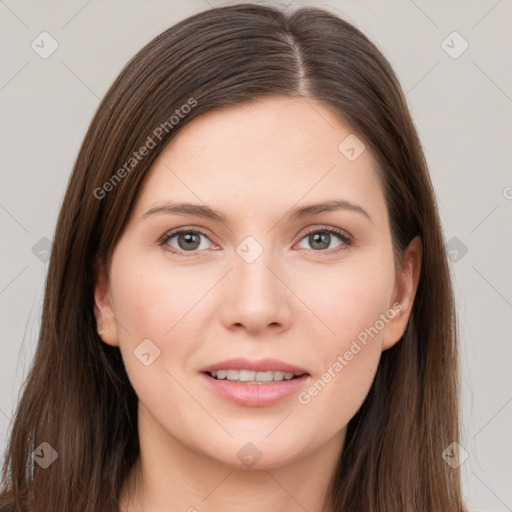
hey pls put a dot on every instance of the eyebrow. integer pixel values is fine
(298, 213)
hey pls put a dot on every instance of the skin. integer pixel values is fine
(296, 302)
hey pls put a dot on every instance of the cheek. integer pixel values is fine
(349, 299)
(168, 306)
(334, 396)
(154, 309)
(152, 301)
(355, 306)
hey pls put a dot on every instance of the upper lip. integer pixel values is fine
(260, 365)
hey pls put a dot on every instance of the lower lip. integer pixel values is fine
(256, 395)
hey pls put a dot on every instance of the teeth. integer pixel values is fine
(232, 375)
(243, 375)
(250, 376)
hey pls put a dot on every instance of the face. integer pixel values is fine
(267, 281)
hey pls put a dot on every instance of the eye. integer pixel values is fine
(321, 238)
(187, 240)
(183, 241)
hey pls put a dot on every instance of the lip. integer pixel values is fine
(261, 365)
(255, 395)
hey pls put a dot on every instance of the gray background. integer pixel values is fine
(461, 107)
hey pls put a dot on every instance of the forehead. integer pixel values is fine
(266, 129)
(278, 151)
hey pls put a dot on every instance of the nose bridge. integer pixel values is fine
(257, 297)
(252, 272)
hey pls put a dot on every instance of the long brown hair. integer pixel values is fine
(77, 396)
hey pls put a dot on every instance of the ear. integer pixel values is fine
(103, 311)
(406, 285)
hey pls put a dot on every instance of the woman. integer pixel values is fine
(248, 303)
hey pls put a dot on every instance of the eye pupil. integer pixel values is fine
(188, 237)
(322, 238)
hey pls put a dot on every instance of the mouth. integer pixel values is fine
(254, 383)
(253, 377)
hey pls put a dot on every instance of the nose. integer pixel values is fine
(257, 296)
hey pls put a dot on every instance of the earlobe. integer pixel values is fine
(103, 311)
(406, 285)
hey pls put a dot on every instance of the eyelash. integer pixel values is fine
(347, 240)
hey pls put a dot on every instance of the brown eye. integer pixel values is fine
(188, 240)
(184, 241)
(320, 239)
